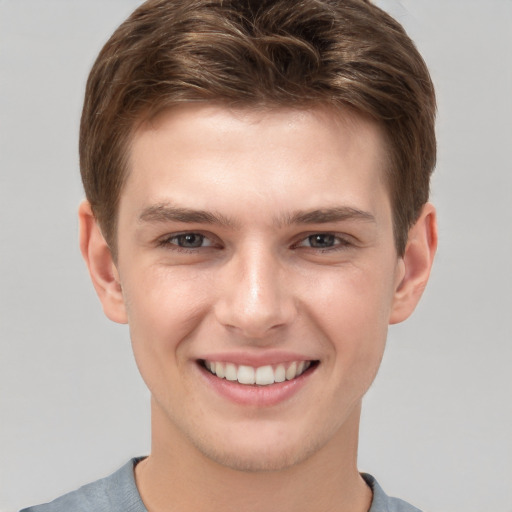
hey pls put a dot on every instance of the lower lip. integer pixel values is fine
(261, 396)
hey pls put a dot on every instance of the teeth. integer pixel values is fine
(280, 373)
(291, 372)
(220, 370)
(231, 372)
(262, 376)
(265, 376)
(245, 375)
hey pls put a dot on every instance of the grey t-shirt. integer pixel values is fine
(118, 493)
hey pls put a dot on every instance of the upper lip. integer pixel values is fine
(256, 359)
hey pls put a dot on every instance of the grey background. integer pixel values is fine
(437, 427)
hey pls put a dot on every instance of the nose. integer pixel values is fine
(256, 296)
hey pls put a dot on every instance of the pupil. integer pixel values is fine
(190, 240)
(321, 240)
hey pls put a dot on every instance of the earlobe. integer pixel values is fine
(99, 261)
(416, 264)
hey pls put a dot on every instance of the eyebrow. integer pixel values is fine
(165, 212)
(325, 215)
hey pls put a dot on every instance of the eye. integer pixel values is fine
(188, 241)
(323, 241)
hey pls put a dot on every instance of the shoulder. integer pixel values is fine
(382, 502)
(114, 493)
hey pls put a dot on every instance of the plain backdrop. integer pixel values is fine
(437, 424)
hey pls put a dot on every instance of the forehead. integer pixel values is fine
(255, 157)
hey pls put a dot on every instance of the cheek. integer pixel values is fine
(352, 309)
(164, 308)
(164, 302)
(357, 299)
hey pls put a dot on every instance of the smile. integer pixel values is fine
(261, 375)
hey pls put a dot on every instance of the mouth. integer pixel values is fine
(258, 376)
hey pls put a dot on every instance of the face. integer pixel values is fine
(258, 273)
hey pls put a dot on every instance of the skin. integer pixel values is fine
(257, 283)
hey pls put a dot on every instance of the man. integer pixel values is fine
(257, 177)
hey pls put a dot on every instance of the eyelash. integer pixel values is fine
(339, 242)
(167, 242)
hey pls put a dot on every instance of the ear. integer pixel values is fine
(103, 272)
(416, 264)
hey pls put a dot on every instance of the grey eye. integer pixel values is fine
(322, 240)
(190, 240)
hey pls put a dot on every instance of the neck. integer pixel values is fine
(177, 476)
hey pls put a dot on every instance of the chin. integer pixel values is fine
(257, 462)
(259, 455)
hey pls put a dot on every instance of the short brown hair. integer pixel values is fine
(259, 53)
